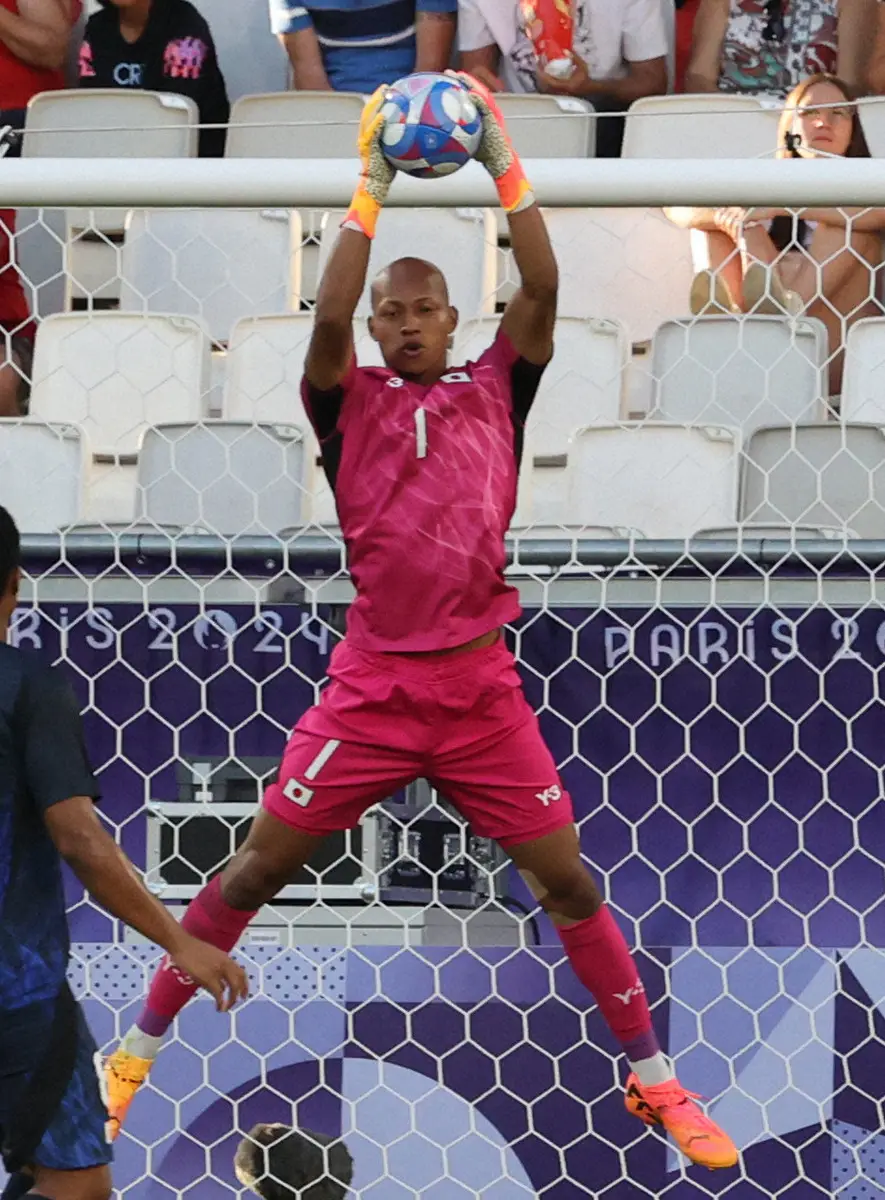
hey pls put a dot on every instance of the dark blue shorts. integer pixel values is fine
(74, 1136)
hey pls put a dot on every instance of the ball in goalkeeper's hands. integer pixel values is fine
(431, 125)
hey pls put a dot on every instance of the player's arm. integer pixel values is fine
(529, 318)
(39, 32)
(63, 787)
(331, 344)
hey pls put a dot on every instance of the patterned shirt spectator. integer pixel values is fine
(160, 46)
(769, 46)
(356, 45)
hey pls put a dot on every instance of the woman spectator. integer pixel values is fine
(819, 262)
(158, 46)
(769, 46)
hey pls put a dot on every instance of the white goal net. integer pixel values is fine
(698, 545)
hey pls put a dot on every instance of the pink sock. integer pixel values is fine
(207, 917)
(603, 963)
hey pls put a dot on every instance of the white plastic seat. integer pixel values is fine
(714, 125)
(215, 264)
(863, 381)
(581, 385)
(462, 242)
(549, 126)
(110, 123)
(265, 363)
(745, 372)
(772, 531)
(628, 264)
(104, 123)
(827, 475)
(114, 374)
(872, 118)
(43, 471)
(667, 480)
(294, 125)
(227, 478)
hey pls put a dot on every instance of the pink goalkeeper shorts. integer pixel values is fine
(460, 721)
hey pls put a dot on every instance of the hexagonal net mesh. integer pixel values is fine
(702, 640)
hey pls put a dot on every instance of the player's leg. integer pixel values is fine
(52, 1114)
(325, 785)
(494, 766)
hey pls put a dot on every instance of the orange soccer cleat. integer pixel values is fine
(124, 1074)
(670, 1107)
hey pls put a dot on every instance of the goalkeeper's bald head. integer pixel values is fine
(281, 1163)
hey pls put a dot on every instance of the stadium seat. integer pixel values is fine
(872, 118)
(549, 126)
(582, 384)
(214, 264)
(627, 264)
(462, 242)
(823, 475)
(104, 123)
(294, 125)
(265, 363)
(43, 470)
(744, 372)
(714, 125)
(667, 480)
(113, 374)
(229, 478)
(863, 382)
(774, 532)
(110, 123)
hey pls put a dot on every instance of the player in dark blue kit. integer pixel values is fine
(52, 1114)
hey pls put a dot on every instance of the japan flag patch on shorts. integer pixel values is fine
(298, 793)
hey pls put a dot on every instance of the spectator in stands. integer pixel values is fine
(158, 46)
(354, 46)
(34, 41)
(770, 46)
(686, 12)
(820, 262)
(876, 73)
(16, 329)
(620, 54)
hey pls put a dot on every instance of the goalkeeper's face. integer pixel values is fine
(412, 320)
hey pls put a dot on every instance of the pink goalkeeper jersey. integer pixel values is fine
(425, 485)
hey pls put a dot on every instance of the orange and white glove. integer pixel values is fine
(496, 151)
(376, 173)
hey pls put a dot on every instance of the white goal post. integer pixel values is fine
(328, 183)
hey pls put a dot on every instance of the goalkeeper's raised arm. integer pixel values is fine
(331, 345)
(529, 318)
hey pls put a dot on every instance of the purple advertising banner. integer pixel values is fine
(725, 765)
(726, 768)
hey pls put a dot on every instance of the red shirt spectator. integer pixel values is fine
(34, 38)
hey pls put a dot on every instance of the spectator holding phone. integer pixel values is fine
(817, 262)
(619, 55)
